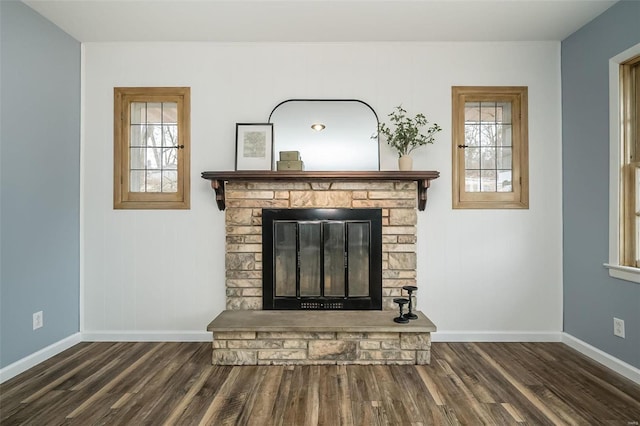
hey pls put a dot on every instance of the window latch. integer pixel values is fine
(463, 146)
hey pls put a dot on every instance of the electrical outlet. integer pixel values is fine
(618, 327)
(38, 320)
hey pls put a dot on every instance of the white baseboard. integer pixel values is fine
(496, 336)
(22, 365)
(617, 365)
(147, 336)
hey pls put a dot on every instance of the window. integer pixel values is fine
(624, 194)
(630, 167)
(151, 147)
(490, 154)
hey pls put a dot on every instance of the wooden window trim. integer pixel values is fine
(630, 161)
(519, 198)
(123, 198)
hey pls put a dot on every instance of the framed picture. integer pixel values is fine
(254, 146)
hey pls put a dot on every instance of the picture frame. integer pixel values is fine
(254, 146)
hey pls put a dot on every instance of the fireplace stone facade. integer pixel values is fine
(243, 221)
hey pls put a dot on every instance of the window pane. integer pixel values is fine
(488, 112)
(637, 218)
(170, 113)
(488, 156)
(138, 112)
(138, 135)
(472, 181)
(137, 158)
(636, 182)
(488, 135)
(170, 136)
(170, 181)
(334, 259)
(154, 181)
(637, 212)
(472, 112)
(503, 135)
(504, 112)
(504, 158)
(154, 136)
(472, 158)
(309, 258)
(358, 237)
(170, 158)
(488, 181)
(472, 135)
(137, 181)
(154, 158)
(284, 264)
(154, 113)
(504, 181)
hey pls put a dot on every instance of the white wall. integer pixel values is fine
(478, 271)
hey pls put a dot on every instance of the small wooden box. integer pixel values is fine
(290, 165)
(289, 155)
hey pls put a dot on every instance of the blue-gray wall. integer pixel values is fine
(591, 297)
(40, 175)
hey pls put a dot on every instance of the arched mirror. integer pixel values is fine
(329, 134)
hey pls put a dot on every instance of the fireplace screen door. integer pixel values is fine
(322, 259)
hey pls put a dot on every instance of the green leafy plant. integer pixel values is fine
(405, 135)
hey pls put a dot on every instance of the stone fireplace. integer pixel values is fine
(245, 201)
(298, 320)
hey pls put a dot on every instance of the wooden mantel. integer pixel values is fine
(218, 179)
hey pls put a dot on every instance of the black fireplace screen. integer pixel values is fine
(322, 258)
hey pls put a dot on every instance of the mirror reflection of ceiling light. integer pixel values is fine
(318, 127)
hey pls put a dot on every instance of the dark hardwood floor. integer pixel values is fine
(174, 383)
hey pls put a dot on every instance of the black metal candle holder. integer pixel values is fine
(410, 289)
(401, 301)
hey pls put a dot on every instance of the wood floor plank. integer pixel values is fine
(20, 387)
(120, 357)
(345, 402)
(148, 399)
(432, 389)
(361, 409)
(546, 410)
(513, 412)
(295, 402)
(198, 405)
(281, 407)
(114, 382)
(195, 387)
(394, 394)
(252, 383)
(313, 400)
(264, 406)
(415, 389)
(330, 402)
(550, 371)
(175, 384)
(218, 407)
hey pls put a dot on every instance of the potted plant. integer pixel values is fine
(405, 136)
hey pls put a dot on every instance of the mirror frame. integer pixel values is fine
(377, 136)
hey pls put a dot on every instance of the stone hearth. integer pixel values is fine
(312, 337)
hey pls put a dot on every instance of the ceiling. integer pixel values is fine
(319, 20)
